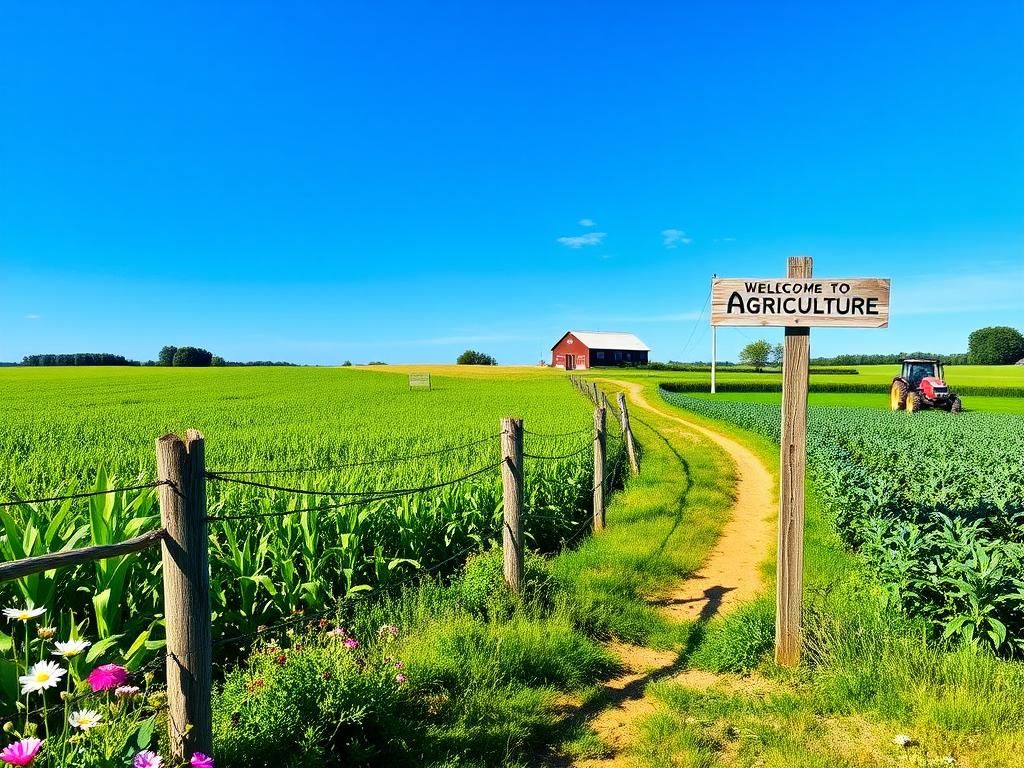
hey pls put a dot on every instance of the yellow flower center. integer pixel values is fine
(42, 676)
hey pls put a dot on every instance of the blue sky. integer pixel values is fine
(326, 181)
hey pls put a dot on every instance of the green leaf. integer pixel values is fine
(100, 647)
(145, 734)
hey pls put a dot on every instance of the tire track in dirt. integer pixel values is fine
(729, 577)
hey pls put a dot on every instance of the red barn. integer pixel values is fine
(579, 350)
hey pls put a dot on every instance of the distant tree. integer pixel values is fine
(775, 358)
(218, 361)
(166, 356)
(192, 357)
(472, 357)
(756, 354)
(347, 364)
(996, 345)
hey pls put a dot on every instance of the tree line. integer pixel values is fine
(169, 356)
(995, 345)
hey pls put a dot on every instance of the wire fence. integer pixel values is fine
(191, 565)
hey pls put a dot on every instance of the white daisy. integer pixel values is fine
(42, 675)
(70, 648)
(902, 740)
(85, 719)
(23, 614)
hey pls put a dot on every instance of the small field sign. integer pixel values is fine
(419, 381)
(797, 303)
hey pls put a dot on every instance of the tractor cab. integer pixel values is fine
(922, 384)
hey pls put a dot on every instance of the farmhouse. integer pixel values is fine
(579, 350)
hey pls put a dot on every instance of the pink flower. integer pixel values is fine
(106, 677)
(351, 642)
(127, 691)
(400, 678)
(337, 632)
(199, 760)
(147, 759)
(21, 752)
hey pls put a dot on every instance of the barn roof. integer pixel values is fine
(609, 340)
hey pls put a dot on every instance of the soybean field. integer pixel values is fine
(934, 503)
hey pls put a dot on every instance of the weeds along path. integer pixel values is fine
(731, 576)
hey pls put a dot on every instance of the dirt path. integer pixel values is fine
(730, 577)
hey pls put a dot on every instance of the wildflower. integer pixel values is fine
(84, 719)
(42, 675)
(902, 740)
(127, 691)
(147, 759)
(254, 685)
(107, 676)
(281, 660)
(70, 648)
(351, 643)
(199, 760)
(337, 632)
(21, 752)
(46, 633)
(388, 630)
(399, 665)
(23, 614)
(400, 678)
(949, 760)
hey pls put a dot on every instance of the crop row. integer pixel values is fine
(935, 506)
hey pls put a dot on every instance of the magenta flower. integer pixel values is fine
(147, 759)
(400, 678)
(351, 642)
(199, 760)
(21, 752)
(106, 677)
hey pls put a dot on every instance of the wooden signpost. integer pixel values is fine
(796, 303)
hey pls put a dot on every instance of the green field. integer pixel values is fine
(330, 432)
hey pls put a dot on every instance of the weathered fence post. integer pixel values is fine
(595, 395)
(512, 485)
(186, 573)
(627, 434)
(599, 446)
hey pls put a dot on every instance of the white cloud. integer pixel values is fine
(591, 238)
(724, 240)
(33, 317)
(587, 223)
(675, 237)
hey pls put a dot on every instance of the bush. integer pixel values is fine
(483, 589)
(472, 357)
(996, 345)
(318, 703)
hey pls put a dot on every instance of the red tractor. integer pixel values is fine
(921, 385)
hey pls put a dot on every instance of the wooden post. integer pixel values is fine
(793, 457)
(627, 435)
(595, 394)
(714, 351)
(186, 574)
(599, 446)
(512, 485)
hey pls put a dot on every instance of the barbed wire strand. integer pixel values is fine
(384, 493)
(350, 465)
(85, 494)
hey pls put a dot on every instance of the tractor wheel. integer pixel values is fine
(898, 395)
(956, 406)
(914, 402)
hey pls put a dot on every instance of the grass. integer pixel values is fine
(878, 401)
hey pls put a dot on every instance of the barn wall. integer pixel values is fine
(573, 346)
(628, 358)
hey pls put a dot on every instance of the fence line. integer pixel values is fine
(83, 495)
(184, 541)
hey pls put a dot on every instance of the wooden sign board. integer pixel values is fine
(419, 381)
(861, 302)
